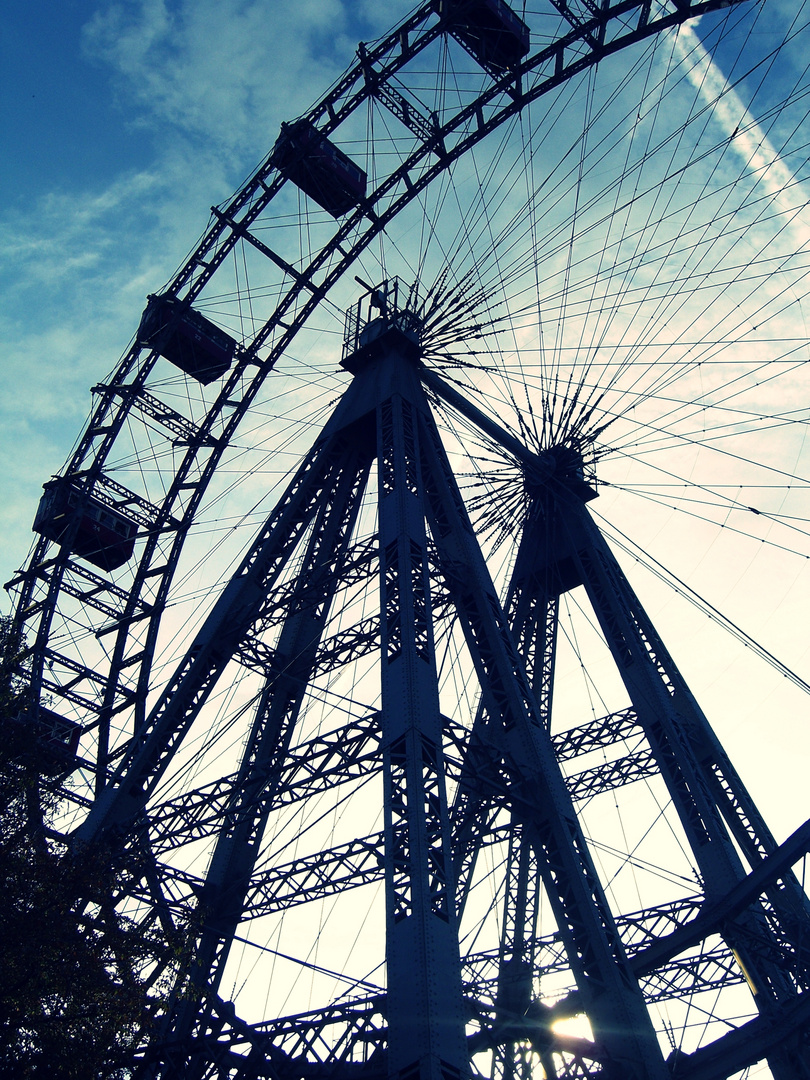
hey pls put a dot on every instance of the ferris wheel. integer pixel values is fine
(330, 622)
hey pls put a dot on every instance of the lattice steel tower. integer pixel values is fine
(353, 783)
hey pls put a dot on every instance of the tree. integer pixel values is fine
(73, 993)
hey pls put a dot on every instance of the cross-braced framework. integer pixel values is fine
(414, 778)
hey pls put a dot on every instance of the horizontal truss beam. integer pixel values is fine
(184, 431)
(351, 753)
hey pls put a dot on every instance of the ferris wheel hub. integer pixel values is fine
(379, 323)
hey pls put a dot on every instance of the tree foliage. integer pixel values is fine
(73, 994)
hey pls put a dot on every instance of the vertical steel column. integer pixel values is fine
(532, 610)
(425, 1013)
(516, 960)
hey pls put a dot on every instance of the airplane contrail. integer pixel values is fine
(748, 140)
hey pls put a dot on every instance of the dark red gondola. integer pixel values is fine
(330, 177)
(490, 29)
(186, 338)
(96, 532)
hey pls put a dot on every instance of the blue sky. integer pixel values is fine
(60, 117)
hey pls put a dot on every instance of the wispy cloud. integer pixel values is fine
(230, 70)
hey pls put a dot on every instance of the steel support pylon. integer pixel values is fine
(446, 792)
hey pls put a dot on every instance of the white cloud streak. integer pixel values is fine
(747, 138)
